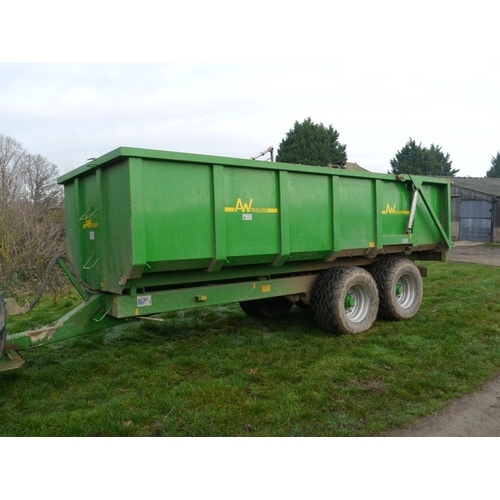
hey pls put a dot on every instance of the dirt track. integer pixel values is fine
(476, 253)
(476, 414)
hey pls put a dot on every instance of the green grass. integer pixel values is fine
(217, 372)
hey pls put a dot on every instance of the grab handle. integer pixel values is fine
(87, 215)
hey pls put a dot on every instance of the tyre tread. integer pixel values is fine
(326, 305)
(384, 273)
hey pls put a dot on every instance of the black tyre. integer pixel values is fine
(274, 308)
(3, 325)
(249, 307)
(303, 305)
(345, 300)
(400, 288)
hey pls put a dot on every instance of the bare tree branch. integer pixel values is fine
(29, 235)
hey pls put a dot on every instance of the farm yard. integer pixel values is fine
(154, 236)
(476, 414)
(217, 372)
(233, 229)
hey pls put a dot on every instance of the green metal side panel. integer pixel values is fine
(98, 226)
(82, 222)
(356, 206)
(252, 216)
(393, 210)
(178, 211)
(141, 218)
(310, 215)
(119, 242)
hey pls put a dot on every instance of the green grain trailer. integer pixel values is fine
(154, 231)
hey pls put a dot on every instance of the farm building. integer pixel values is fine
(475, 208)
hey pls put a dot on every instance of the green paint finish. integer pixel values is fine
(356, 207)
(219, 228)
(252, 215)
(434, 216)
(82, 227)
(138, 213)
(137, 216)
(310, 207)
(178, 214)
(119, 238)
(284, 218)
(124, 306)
(394, 206)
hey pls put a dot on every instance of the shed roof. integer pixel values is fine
(348, 165)
(485, 185)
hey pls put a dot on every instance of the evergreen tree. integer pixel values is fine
(494, 171)
(415, 159)
(441, 163)
(308, 143)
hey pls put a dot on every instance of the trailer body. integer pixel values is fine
(141, 218)
(151, 231)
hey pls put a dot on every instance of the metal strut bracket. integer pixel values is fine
(419, 193)
(413, 210)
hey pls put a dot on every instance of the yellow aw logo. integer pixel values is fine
(243, 207)
(247, 208)
(392, 210)
(89, 224)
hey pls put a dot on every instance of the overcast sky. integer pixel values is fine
(429, 73)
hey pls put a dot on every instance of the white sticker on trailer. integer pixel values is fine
(144, 301)
(247, 216)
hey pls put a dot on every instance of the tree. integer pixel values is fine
(28, 238)
(12, 157)
(308, 143)
(494, 171)
(41, 183)
(441, 162)
(415, 159)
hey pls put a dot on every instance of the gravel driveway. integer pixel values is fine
(477, 253)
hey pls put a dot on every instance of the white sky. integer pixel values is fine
(378, 72)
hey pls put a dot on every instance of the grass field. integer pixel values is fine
(218, 372)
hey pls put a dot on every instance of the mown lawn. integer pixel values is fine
(218, 372)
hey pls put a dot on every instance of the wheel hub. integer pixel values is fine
(356, 304)
(350, 301)
(405, 290)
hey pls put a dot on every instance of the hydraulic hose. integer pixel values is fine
(50, 266)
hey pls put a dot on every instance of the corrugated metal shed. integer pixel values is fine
(485, 185)
(475, 209)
